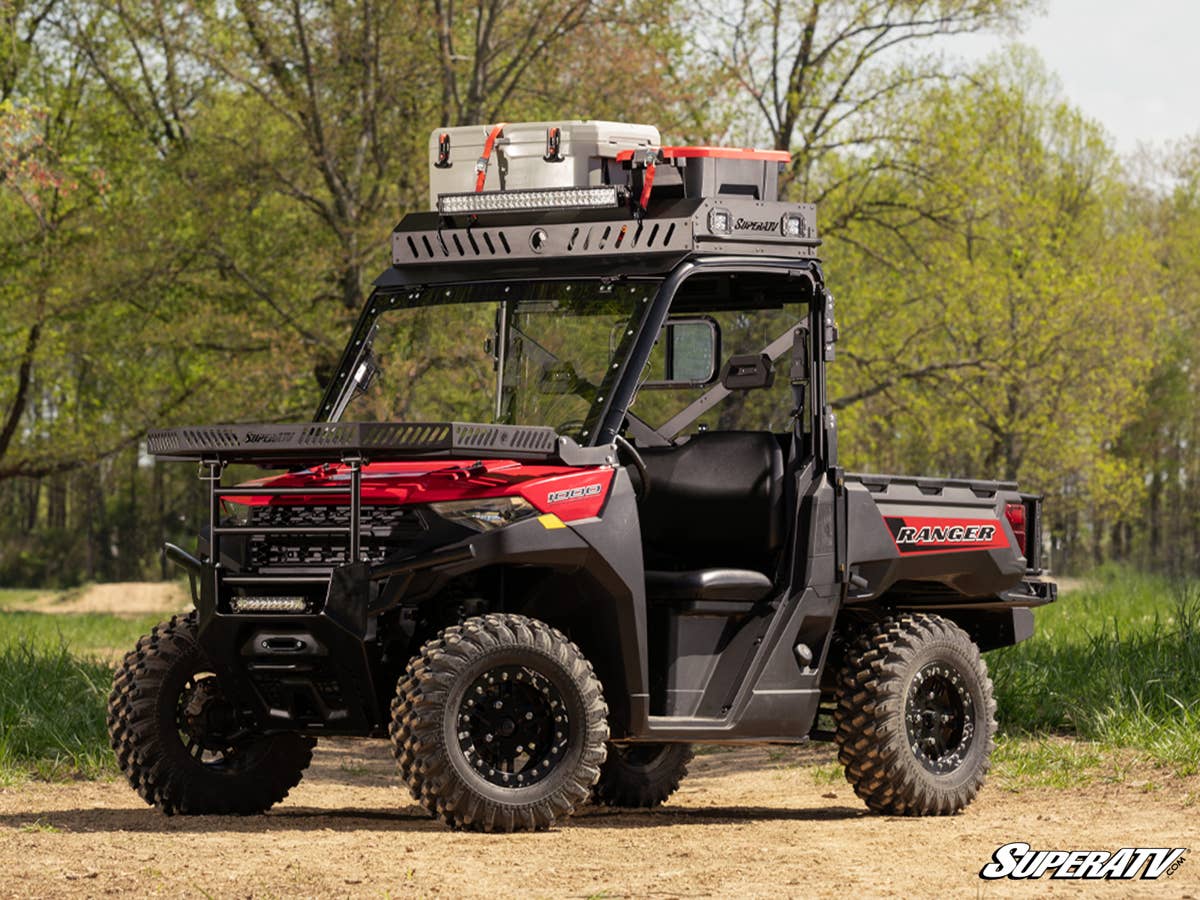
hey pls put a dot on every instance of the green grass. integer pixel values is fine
(55, 673)
(1109, 683)
(14, 596)
(1115, 663)
(829, 773)
(52, 714)
(86, 634)
(40, 826)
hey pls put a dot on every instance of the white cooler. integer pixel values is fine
(527, 155)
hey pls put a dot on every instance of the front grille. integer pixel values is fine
(384, 530)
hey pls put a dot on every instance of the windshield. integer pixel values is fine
(536, 353)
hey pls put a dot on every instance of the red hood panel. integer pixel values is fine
(569, 493)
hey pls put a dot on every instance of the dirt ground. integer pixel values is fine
(753, 822)
(127, 599)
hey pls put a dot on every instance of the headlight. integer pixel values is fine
(485, 515)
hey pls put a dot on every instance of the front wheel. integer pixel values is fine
(499, 725)
(177, 739)
(915, 717)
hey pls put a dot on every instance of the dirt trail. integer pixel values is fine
(129, 599)
(753, 822)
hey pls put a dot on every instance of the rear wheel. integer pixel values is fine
(499, 725)
(178, 741)
(915, 717)
(641, 775)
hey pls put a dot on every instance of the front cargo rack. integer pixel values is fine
(282, 446)
(351, 443)
(308, 583)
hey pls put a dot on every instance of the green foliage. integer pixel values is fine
(11, 596)
(195, 197)
(1116, 662)
(1020, 350)
(52, 713)
(85, 634)
(1163, 442)
(1022, 761)
(55, 674)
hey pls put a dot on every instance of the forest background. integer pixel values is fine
(195, 196)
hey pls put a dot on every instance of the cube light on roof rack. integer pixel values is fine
(603, 197)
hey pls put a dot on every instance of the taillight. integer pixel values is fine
(1015, 513)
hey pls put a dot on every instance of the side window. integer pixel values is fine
(749, 317)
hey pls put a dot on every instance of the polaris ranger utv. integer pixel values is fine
(570, 504)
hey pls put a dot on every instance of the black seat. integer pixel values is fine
(713, 523)
(716, 501)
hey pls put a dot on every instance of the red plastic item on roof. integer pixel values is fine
(715, 153)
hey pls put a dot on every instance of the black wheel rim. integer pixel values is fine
(939, 718)
(206, 723)
(513, 726)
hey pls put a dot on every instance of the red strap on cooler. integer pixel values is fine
(647, 184)
(481, 166)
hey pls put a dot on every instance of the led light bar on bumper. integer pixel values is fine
(485, 515)
(603, 197)
(268, 604)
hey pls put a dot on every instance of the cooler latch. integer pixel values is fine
(553, 144)
(443, 152)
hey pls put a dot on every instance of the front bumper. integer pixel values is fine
(322, 670)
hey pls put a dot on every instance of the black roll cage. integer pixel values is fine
(614, 415)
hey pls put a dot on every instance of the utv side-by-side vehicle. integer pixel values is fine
(570, 504)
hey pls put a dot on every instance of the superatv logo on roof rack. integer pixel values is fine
(755, 225)
(268, 437)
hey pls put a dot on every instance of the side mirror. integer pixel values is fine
(686, 354)
(745, 373)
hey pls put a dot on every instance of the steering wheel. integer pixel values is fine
(626, 448)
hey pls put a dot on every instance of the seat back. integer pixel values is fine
(716, 500)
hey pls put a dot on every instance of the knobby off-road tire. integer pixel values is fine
(641, 775)
(915, 717)
(164, 705)
(499, 724)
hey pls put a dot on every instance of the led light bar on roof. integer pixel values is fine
(602, 197)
